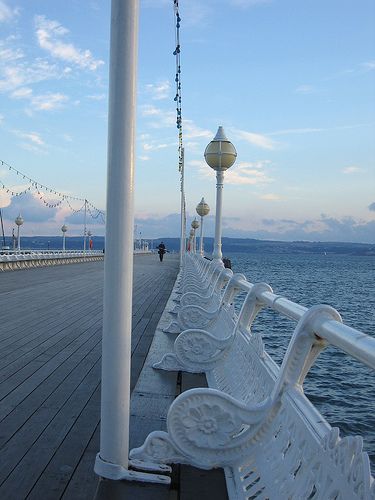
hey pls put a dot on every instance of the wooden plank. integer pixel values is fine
(49, 431)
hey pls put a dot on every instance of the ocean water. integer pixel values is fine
(340, 387)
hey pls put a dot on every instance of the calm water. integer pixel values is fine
(342, 388)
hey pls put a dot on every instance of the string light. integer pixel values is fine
(64, 198)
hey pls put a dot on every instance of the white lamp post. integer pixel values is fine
(220, 154)
(202, 210)
(64, 229)
(191, 239)
(19, 222)
(194, 225)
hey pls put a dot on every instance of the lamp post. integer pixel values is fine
(64, 229)
(191, 239)
(202, 210)
(220, 154)
(194, 225)
(19, 222)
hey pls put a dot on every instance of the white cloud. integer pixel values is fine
(150, 110)
(6, 13)
(270, 197)
(160, 90)
(353, 169)
(2, 117)
(144, 158)
(305, 89)
(260, 140)
(242, 173)
(249, 173)
(48, 102)
(97, 97)
(154, 147)
(33, 137)
(306, 130)
(312, 130)
(22, 93)
(24, 73)
(248, 3)
(49, 34)
(192, 131)
(9, 54)
(368, 65)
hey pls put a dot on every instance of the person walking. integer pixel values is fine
(161, 251)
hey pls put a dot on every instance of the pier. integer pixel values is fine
(50, 353)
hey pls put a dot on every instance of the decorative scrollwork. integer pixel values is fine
(206, 428)
(199, 350)
(194, 317)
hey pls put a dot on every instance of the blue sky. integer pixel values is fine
(292, 83)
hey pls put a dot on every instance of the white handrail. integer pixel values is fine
(355, 343)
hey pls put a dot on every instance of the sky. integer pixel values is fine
(291, 82)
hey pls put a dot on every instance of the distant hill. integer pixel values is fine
(248, 245)
(230, 245)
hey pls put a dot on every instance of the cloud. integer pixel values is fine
(160, 118)
(154, 147)
(49, 34)
(48, 102)
(31, 141)
(192, 131)
(325, 228)
(312, 130)
(33, 137)
(166, 119)
(270, 197)
(144, 158)
(22, 93)
(242, 173)
(305, 89)
(2, 117)
(150, 110)
(259, 140)
(248, 173)
(23, 73)
(372, 207)
(306, 130)
(31, 208)
(6, 13)
(160, 90)
(248, 3)
(351, 170)
(152, 226)
(9, 54)
(369, 65)
(97, 97)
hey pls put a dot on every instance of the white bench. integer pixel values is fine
(254, 420)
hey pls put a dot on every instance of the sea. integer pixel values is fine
(340, 387)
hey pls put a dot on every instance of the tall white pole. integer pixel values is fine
(118, 278)
(84, 228)
(182, 235)
(18, 238)
(63, 242)
(201, 239)
(216, 254)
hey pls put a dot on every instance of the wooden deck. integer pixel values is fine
(50, 333)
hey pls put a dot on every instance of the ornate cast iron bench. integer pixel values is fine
(254, 419)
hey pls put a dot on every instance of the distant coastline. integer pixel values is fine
(230, 245)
